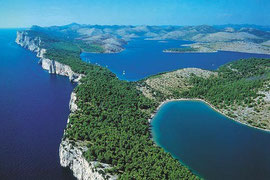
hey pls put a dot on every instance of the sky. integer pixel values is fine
(25, 13)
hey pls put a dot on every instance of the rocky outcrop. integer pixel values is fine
(71, 155)
(52, 66)
(72, 105)
(33, 44)
(55, 67)
(171, 82)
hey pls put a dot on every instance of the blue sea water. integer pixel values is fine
(143, 58)
(33, 114)
(212, 145)
(34, 106)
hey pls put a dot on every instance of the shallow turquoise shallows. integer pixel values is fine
(214, 146)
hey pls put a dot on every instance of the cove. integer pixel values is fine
(143, 58)
(33, 114)
(212, 145)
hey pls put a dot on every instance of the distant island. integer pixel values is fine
(204, 38)
(213, 39)
(182, 50)
(108, 132)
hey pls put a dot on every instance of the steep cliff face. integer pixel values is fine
(72, 105)
(53, 67)
(33, 44)
(71, 155)
(70, 152)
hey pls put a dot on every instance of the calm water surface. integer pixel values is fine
(211, 144)
(34, 111)
(144, 58)
(33, 115)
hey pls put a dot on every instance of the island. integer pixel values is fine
(108, 132)
(181, 50)
(209, 39)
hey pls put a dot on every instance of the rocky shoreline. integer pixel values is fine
(71, 155)
(70, 152)
(210, 105)
(235, 46)
(213, 47)
(52, 66)
(169, 51)
(167, 83)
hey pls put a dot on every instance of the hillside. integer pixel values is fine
(112, 39)
(109, 127)
(108, 134)
(239, 89)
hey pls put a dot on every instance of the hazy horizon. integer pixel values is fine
(25, 13)
(225, 25)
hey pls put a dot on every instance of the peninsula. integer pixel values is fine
(108, 134)
(239, 90)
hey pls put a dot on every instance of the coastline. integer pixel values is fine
(70, 155)
(207, 103)
(193, 99)
(164, 51)
(214, 47)
(214, 51)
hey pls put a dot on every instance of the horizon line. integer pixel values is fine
(226, 24)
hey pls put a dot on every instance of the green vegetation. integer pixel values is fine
(90, 47)
(112, 119)
(237, 89)
(181, 50)
(56, 42)
(238, 83)
(66, 46)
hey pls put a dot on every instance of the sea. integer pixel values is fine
(34, 111)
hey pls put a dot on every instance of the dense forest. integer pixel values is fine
(112, 119)
(112, 116)
(239, 89)
(237, 83)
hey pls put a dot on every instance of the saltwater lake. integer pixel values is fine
(33, 115)
(214, 146)
(211, 144)
(34, 111)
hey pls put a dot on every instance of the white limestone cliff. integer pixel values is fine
(52, 66)
(72, 105)
(70, 152)
(71, 155)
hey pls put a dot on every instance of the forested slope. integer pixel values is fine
(112, 118)
(240, 89)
